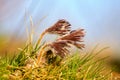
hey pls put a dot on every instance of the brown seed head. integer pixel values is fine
(74, 38)
(61, 27)
(60, 47)
(75, 35)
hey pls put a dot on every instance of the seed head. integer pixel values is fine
(75, 38)
(61, 27)
(61, 45)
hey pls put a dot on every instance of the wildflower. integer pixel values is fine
(60, 47)
(62, 44)
(61, 27)
(74, 37)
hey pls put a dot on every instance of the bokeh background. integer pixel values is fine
(99, 18)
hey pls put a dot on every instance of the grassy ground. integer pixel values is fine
(33, 62)
(74, 67)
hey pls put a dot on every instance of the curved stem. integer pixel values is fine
(40, 38)
(39, 58)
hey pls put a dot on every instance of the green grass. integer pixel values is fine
(74, 67)
(77, 66)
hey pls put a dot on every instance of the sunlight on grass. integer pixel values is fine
(76, 66)
(36, 62)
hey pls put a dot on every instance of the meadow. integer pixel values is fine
(54, 60)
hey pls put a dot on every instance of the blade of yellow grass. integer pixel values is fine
(87, 72)
(42, 34)
(32, 29)
(41, 53)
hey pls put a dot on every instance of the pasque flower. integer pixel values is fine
(61, 27)
(62, 44)
(66, 40)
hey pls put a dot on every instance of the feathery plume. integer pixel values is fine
(60, 45)
(74, 37)
(61, 27)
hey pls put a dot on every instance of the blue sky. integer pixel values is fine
(100, 18)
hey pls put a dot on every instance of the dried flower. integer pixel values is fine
(60, 45)
(61, 27)
(75, 38)
(75, 35)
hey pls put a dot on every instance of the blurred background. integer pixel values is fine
(99, 18)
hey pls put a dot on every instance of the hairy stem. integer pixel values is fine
(39, 58)
(40, 38)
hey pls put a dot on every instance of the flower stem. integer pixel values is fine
(39, 58)
(40, 38)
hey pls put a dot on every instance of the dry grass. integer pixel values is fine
(49, 61)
